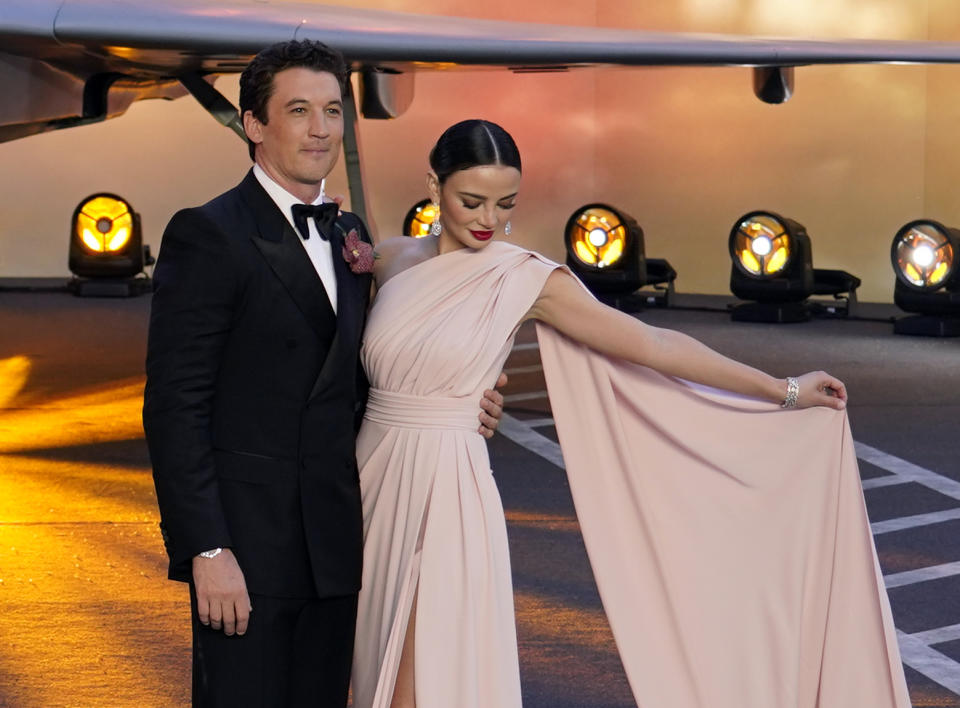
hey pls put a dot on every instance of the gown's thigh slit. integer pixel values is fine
(404, 694)
(406, 604)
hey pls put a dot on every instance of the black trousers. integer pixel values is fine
(296, 653)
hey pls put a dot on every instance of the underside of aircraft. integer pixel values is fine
(72, 62)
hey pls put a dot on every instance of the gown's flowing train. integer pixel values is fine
(728, 538)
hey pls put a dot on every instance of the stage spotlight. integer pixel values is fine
(925, 258)
(107, 255)
(418, 220)
(606, 251)
(773, 268)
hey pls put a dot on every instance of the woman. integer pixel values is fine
(728, 537)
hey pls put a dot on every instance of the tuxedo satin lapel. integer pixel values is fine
(349, 318)
(281, 248)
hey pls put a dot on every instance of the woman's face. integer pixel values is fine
(474, 204)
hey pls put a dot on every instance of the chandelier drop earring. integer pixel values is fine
(507, 228)
(436, 227)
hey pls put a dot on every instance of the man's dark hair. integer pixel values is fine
(256, 81)
(472, 143)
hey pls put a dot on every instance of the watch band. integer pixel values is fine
(213, 553)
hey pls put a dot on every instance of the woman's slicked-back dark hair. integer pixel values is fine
(256, 81)
(473, 143)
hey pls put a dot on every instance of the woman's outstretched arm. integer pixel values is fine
(566, 306)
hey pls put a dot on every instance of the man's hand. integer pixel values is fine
(222, 599)
(492, 408)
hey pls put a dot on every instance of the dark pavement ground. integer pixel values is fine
(88, 619)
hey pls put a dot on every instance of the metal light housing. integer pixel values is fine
(925, 256)
(605, 249)
(106, 248)
(772, 268)
(598, 237)
(419, 219)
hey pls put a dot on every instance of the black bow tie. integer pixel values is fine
(325, 216)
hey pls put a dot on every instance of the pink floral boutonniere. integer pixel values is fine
(358, 253)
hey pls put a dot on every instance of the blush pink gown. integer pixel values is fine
(728, 537)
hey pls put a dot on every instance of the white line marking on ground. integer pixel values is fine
(928, 661)
(891, 480)
(921, 575)
(521, 433)
(939, 635)
(538, 422)
(908, 471)
(912, 522)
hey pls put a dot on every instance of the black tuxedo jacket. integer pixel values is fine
(253, 387)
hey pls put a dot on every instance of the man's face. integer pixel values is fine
(300, 142)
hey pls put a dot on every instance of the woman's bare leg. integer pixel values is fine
(403, 689)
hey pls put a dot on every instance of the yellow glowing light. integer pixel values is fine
(762, 245)
(118, 239)
(584, 253)
(105, 224)
(420, 219)
(924, 256)
(614, 252)
(598, 237)
(777, 260)
(749, 261)
(91, 241)
(939, 273)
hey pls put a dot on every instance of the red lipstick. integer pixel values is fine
(481, 235)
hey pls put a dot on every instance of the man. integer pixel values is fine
(253, 388)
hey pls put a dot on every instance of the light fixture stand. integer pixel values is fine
(927, 326)
(109, 287)
(778, 312)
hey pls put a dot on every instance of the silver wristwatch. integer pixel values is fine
(213, 553)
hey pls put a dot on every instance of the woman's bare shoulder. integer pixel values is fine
(390, 246)
(396, 254)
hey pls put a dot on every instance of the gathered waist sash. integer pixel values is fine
(426, 412)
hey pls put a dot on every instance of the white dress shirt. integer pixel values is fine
(319, 250)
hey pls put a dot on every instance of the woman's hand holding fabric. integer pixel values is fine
(819, 388)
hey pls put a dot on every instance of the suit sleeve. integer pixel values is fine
(362, 385)
(196, 291)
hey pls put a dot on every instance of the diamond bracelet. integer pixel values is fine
(793, 392)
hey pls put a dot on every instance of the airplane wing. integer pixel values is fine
(70, 62)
